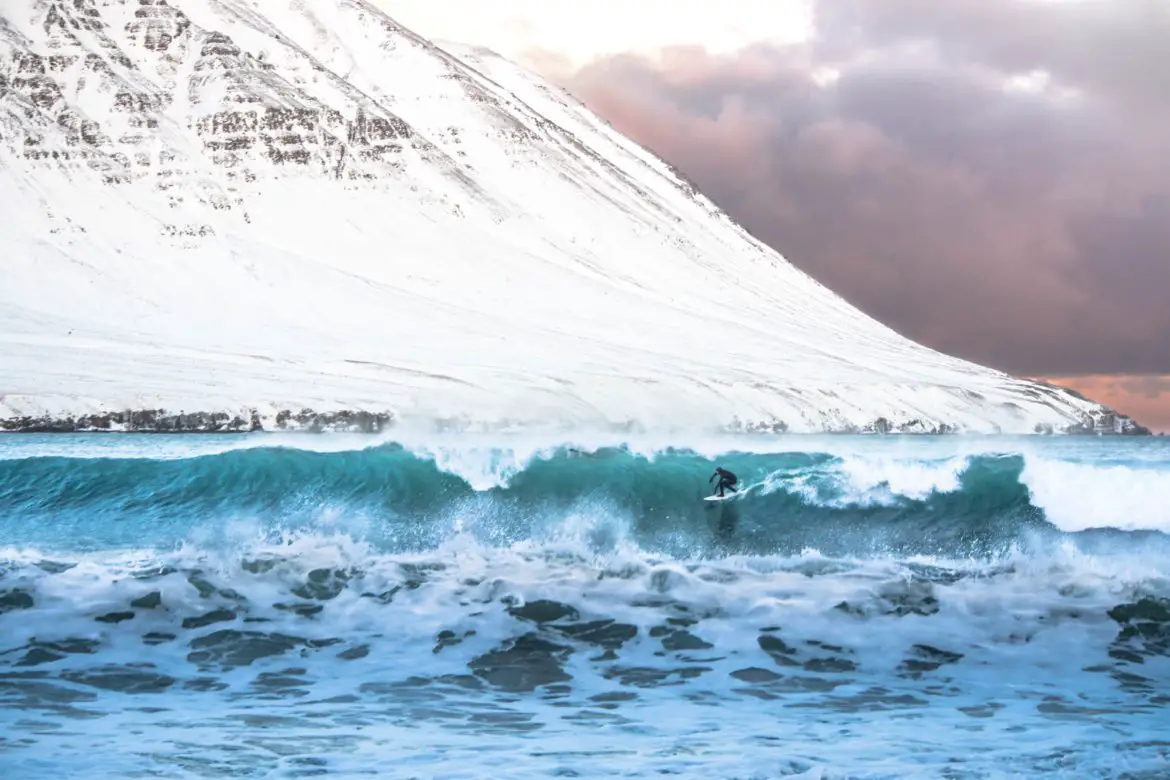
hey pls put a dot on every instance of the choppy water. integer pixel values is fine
(259, 606)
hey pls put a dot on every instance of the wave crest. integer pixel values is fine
(401, 498)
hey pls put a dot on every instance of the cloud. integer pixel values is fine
(578, 32)
(990, 177)
(1148, 386)
(1114, 49)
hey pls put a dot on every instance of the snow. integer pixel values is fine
(241, 205)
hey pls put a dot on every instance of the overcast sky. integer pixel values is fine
(990, 177)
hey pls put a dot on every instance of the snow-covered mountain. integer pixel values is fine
(241, 213)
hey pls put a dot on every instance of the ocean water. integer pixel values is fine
(869, 607)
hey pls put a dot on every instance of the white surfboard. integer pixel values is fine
(743, 491)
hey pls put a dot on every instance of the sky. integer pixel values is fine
(989, 177)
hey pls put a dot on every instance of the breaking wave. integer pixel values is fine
(309, 611)
(402, 499)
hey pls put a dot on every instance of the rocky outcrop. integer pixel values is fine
(162, 421)
(352, 421)
(246, 115)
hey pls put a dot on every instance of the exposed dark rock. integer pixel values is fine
(15, 599)
(829, 665)
(649, 677)
(141, 421)
(773, 426)
(304, 610)
(684, 640)
(215, 616)
(24, 694)
(38, 655)
(354, 653)
(123, 679)
(259, 566)
(163, 421)
(228, 648)
(543, 611)
(151, 600)
(354, 421)
(74, 646)
(385, 597)
(446, 639)
(287, 683)
(205, 684)
(114, 617)
(323, 585)
(755, 675)
(611, 697)
(781, 653)
(981, 710)
(207, 590)
(523, 665)
(924, 658)
(46, 652)
(607, 633)
(901, 598)
(54, 567)
(333, 422)
(1144, 630)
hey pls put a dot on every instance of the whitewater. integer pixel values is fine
(267, 605)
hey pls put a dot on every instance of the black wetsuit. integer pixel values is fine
(726, 480)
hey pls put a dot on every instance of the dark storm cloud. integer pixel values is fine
(1029, 230)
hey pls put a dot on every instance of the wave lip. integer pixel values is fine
(1075, 496)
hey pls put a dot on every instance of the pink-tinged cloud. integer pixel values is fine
(1027, 230)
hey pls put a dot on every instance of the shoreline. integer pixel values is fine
(308, 421)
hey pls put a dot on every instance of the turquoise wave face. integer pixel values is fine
(400, 500)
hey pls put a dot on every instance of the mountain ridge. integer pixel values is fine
(235, 215)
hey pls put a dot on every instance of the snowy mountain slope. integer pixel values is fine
(238, 210)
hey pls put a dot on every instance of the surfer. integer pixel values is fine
(726, 480)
